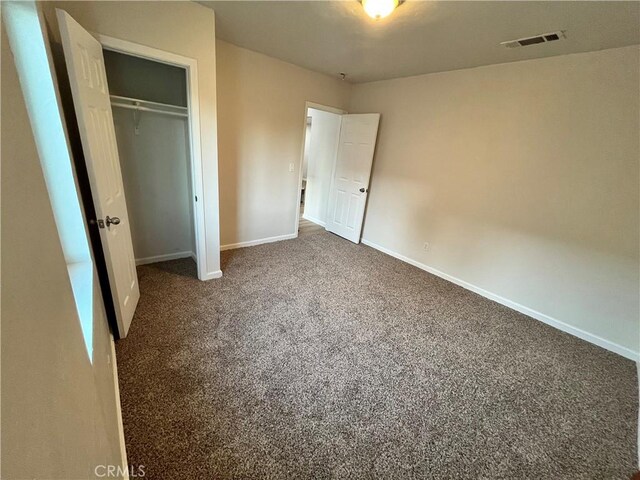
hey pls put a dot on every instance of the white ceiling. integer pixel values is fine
(420, 36)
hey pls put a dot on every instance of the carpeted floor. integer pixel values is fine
(318, 358)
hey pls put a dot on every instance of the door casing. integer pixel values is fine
(195, 154)
(307, 106)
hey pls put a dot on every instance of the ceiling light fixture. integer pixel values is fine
(378, 9)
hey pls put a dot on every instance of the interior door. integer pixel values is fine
(85, 66)
(350, 182)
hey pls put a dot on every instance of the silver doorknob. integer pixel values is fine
(112, 221)
(363, 190)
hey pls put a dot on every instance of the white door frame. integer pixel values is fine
(307, 106)
(193, 105)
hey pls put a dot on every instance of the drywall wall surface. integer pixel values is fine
(261, 106)
(183, 28)
(136, 77)
(59, 411)
(323, 146)
(307, 140)
(523, 179)
(156, 175)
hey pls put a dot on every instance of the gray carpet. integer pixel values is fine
(318, 358)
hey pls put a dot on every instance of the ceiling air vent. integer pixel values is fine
(543, 38)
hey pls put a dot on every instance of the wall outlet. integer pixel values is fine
(291, 167)
(426, 246)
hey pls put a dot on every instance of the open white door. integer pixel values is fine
(350, 182)
(85, 65)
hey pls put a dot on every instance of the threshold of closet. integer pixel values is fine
(166, 257)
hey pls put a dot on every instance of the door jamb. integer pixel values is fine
(307, 106)
(193, 104)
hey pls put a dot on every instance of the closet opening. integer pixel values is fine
(321, 134)
(157, 134)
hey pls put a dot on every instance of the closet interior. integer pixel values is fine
(150, 113)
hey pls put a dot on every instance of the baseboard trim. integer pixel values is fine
(116, 388)
(253, 243)
(560, 325)
(213, 275)
(638, 373)
(164, 258)
(314, 220)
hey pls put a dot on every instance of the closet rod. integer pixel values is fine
(119, 98)
(146, 109)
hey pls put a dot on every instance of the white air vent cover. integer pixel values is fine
(542, 38)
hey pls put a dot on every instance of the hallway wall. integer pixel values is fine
(323, 145)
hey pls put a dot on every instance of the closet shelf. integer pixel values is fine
(147, 106)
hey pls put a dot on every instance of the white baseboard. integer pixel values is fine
(314, 220)
(253, 243)
(164, 258)
(116, 388)
(584, 335)
(212, 275)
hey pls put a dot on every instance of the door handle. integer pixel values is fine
(109, 221)
(112, 221)
(364, 190)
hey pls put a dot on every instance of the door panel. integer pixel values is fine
(85, 66)
(351, 174)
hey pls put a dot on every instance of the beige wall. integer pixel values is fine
(192, 28)
(523, 177)
(261, 107)
(59, 413)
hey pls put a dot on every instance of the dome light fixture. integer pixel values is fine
(378, 9)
